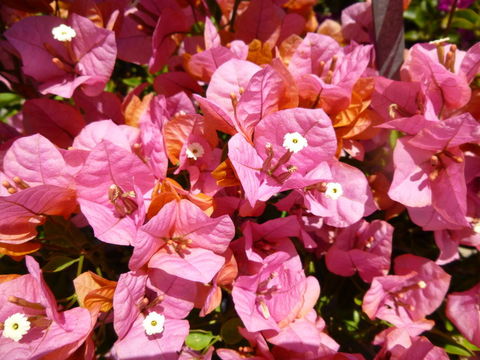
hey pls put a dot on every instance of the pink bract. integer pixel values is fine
(462, 310)
(363, 247)
(61, 67)
(55, 334)
(182, 241)
(110, 188)
(416, 291)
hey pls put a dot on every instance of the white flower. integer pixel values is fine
(334, 190)
(476, 227)
(153, 323)
(63, 33)
(195, 151)
(15, 326)
(294, 142)
(422, 284)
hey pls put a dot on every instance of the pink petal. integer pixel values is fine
(314, 49)
(47, 297)
(26, 209)
(449, 133)
(109, 165)
(471, 62)
(462, 310)
(137, 344)
(36, 161)
(212, 38)
(261, 20)
(94, 133)
(410, 185)
(199, 265)
(228, 80)
(452, 204)
(424, 300)
(149, 237)
(174, 82)
(312, 124)
(247, 164)
(178, 294)
(171, 21)
(209, 233)
(203, 64)
(52, 119)
(261, 98)
(96, 50)
(129, 292)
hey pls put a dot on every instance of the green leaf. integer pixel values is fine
(198, 28)
(229, 331)
(459, 23)
(356, 317)
(198, 339)
(59, 263)
(394, 135)
(412, 35)
(449, 326)
(456, 349)
(465, 343)
(415, 15)
(110, 86)
(9, 99)
(133, 81)
(351, 326)
(468, 14)
(9, 113)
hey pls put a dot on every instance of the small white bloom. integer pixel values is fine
(334, 190)
(294, 142)
(15, 326)
(153, 323)
(63, 33)
(422, 284)
(476, 227)
(195, 151)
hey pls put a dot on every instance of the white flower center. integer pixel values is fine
(63, 33)
(333, 190)
(476, 227)
(153, 323)
(294, 142)
(15, 326)
(422, 284)
(195, 151)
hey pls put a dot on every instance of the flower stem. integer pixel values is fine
(450, 15)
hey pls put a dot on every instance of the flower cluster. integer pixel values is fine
(216, 183)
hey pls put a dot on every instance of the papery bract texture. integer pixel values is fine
(61, 67)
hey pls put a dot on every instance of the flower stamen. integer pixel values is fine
(123, 201)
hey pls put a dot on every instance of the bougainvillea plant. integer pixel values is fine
(189, 179)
